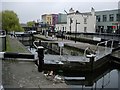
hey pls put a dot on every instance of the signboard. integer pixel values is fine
(61, 44)
(96, 39)
(114, 23)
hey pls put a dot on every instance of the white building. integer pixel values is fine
(81, 22)
(61, 26)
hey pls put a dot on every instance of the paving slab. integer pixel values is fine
(25, 75)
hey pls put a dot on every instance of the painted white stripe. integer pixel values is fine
(2, 54)
(74, 78)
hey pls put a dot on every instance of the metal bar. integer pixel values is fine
(18, 55)
(35, 44)
(85, 52)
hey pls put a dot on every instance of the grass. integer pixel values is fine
(14, 46)
(8, 48)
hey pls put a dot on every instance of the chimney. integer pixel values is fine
(71, 10)
(92, 11)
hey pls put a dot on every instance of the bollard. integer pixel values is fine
(92, 58)
(41, 58)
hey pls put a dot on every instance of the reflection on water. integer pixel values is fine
(110, 80)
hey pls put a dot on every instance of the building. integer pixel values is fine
(81, 22)
(61, 26)
(28, 28)
(50, 19)
(47, 18)
(62, 22)
(41, 26)
(62, 18)
(108, 21)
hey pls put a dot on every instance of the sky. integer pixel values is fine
(29, 10)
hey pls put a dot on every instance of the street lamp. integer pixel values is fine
(76, 29)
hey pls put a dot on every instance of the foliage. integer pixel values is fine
(31, 23)
(0, 20)
(10, 21)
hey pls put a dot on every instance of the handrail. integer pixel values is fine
(85, 51)
(103, 42)
(106, 44)
(97, 49)
(35, 44)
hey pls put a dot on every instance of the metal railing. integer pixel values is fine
(85, 53)
(35, 44)
(97, 51)
(106, 44)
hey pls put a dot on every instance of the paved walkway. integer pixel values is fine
(25, 75)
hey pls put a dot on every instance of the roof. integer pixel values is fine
(79, 13)
(107, 10)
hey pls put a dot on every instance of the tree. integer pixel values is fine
(1, 21)
(31, 23)
(10, 21)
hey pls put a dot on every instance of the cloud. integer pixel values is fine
(60, 1)
(29, 10)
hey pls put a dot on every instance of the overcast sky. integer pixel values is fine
(29, 10)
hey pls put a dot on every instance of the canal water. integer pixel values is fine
(108, 77)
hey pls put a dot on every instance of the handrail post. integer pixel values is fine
(97, 48)
(106, 42)
(85, 52)
(112, 45)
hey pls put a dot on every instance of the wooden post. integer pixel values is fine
(41, 57)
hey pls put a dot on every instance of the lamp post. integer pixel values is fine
(62, 31)
(70, 25)
(76, 30)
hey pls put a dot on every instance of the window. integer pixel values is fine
(85, 20)
(98, 18)
(104, 18)
(117, 17)
(85, 29)
(65, 28)
(111, 17)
